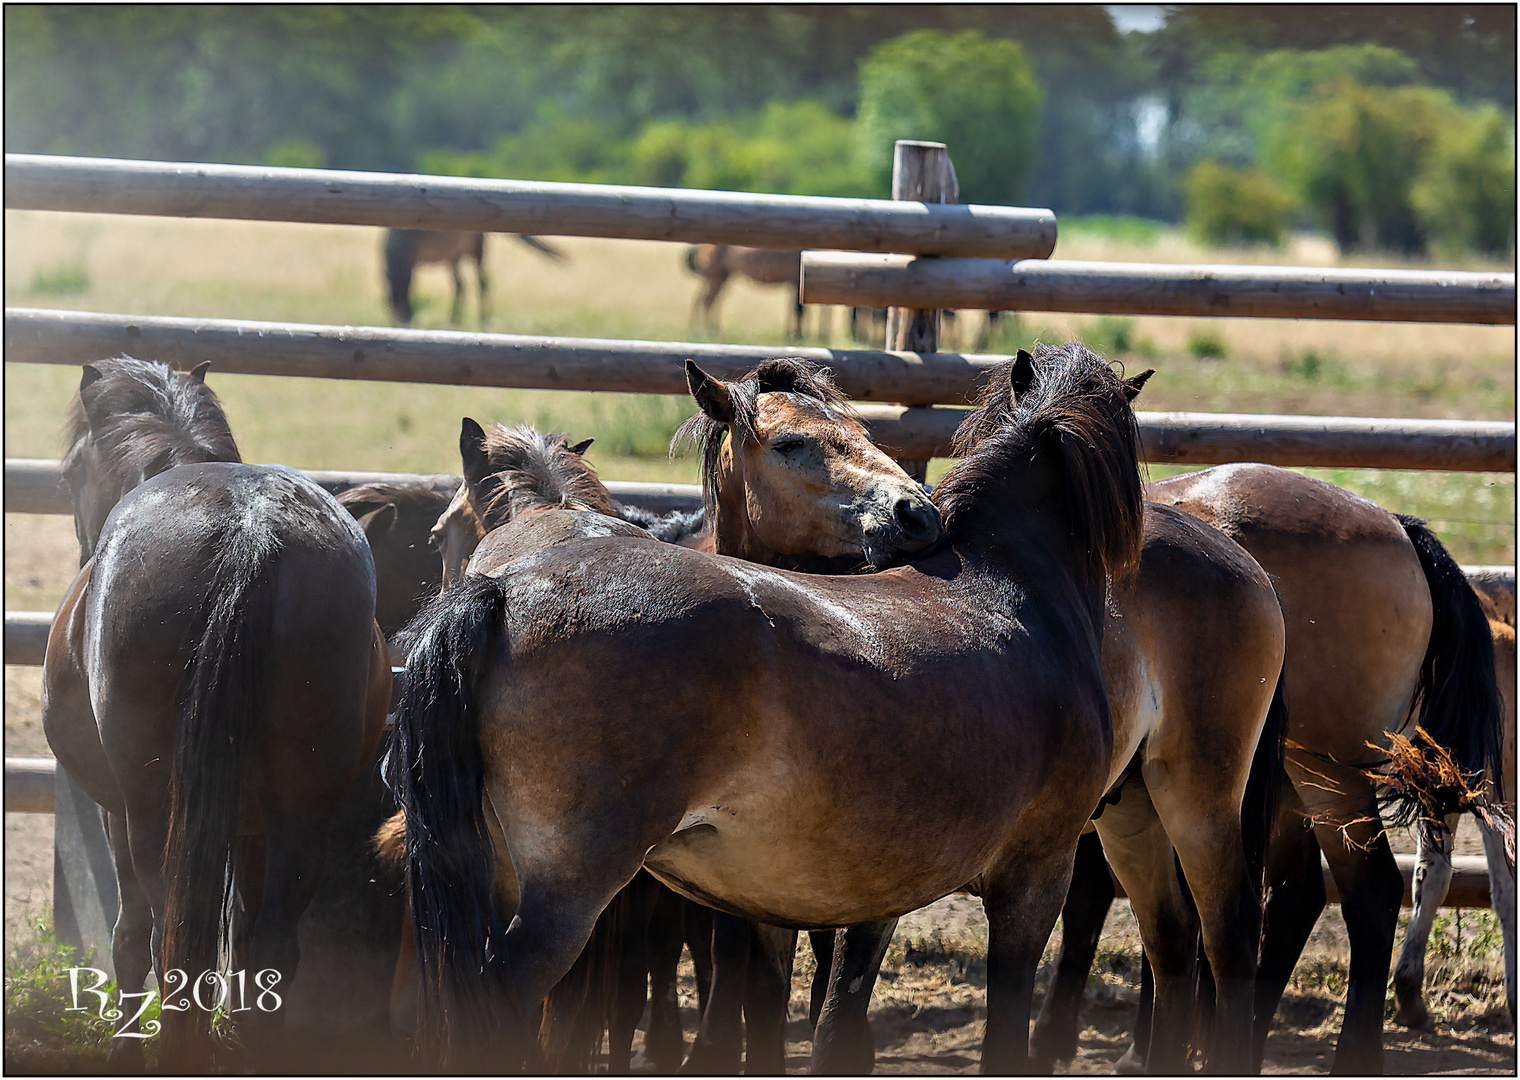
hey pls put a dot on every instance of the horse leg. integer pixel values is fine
(697, 925)
(767, 994)
(842, 1042)
(823, 960)
(1132, 1063)
(1054, 1037)
(1295, 899)
(482, 286)
(1432, 879)
(1371, 888)
(716, 279)
(1022, 897)
(796, 334)
(1501, 893)
(458, 308)
(632, 972)
(664, 1044)
(1142, 857)
(718, 1047)
(131, 943)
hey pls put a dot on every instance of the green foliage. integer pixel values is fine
(1111, 334)
(66, 279)
(296, 154)
(977, 95)
(1234, 206)
(37, 998)
(1207, 343)
(1464, 197)
(1119, 228)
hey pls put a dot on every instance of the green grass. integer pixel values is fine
(37, 1001)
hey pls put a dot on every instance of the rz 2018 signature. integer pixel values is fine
(231, 993)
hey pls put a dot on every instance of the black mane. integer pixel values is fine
(145, 417)
(1078, 399)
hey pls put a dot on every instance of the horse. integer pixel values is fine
(775, 486)
(396, 519)
(1432, 876)
(1192, 655)
(716, 263)
(1383, 632)
(781, 783)
(214, 676)
(405, 249)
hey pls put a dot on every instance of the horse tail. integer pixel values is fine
(543, 247)
(1258, 809)
(223, 698)
(400, 258)
(450, 865)
(691, 260)
(1456, 701)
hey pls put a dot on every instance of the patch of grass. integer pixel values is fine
(37, 999)
(1207, 343)
(1111, 334)
(67, 279)
(1120, 228)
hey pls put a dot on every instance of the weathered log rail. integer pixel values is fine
(326, 196)
(1278, 292)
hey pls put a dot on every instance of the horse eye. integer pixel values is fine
(788, 444)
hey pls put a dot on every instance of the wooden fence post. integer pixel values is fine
(921, 172)
(84, 876)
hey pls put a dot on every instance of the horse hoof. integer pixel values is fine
(1412, 1013)
(1131, 1064)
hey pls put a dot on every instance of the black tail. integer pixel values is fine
(543, 247)
(1457, 699)
(450, 865)
(400, 257)
(1258, 810)
(223, 698)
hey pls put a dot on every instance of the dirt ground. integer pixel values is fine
(929, 1006)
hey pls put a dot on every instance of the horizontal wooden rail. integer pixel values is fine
(32, 487)
(325, 196)
(29, 790)
(1279, 292)
(43, 336)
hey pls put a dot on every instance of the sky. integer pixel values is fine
(1136, 17)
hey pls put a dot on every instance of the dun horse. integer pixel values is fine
(406, 249)
(716, 263)
(832, 750)
(214, 672)
(1382, 630)
(1192, 655)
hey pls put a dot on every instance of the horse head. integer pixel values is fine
(790, 476)
(132, 420)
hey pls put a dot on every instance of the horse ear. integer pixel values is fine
(1132, 385)
(378, 522)
(91, 373)
(1021, 375)
(472, 452)
(711, 394)
(198, 372)
(582, 446)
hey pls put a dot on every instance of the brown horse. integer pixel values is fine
(782, 782)
(1383, 631)
(406, 249)
(716, 263)
(214, 672)
(396, 519)
(1192, 658)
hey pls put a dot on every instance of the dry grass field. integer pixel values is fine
(929, 1005)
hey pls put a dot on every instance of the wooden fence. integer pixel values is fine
(984, 260)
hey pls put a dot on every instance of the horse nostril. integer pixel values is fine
(918, 519)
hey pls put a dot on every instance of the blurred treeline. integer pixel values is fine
(1388, 126)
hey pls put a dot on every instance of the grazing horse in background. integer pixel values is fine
(716, 263)
(832, 749)
(1383, 631)
(1432, 876)
(214, 675)
(405, 249)
(1192, 659)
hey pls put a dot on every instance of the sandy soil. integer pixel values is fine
(930, 1003)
